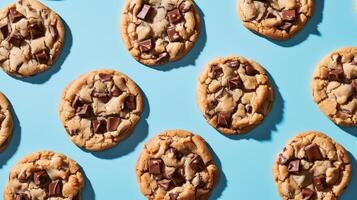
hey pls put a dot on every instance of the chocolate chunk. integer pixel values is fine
(15, 39)
(20, 196)
(216, 71)
(174, 16)
(36, 30)
(234, 83)
(185, 6)
(102, 96)
(130, 102)
(77, 102)
(54, 32)
(5, 30)
(173, 34)
(354, 84)
(286, 26)
(105, 77)
(144, 12)
(270, 15)
(164, 184)
(289, 15)
(233, 64)
(197, 164)
(223, 119)
(173, 196)
(113, 123)
(161, 57)
(336, 74)
(99, 126)
(14, 15)
(198, 182)
(312, 152)
(155, 166)
(41, 178)
(115, 92)
(294, 166)
(177, 154)
(145, 46)
(320, 183)
(23, 177)
(248, 108)
(84, 111)
(282, 159)
(55, 188)
(42, 56)
(250, 71)
(307, 194)
(177, 177)
(212, 104)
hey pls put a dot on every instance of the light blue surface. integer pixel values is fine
(93, 41)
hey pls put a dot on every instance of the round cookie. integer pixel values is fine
(6, 123)
(234, 94)
(312, 167)
(45, 175)
(176, 165)
(31, 38)
(100, 109)
(156, 32)
(275, 19)
(334, 86)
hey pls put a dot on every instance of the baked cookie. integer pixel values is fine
(31, 38)
(275, 19)
(334, 86)
(45, 175)
(159, 31)
(234, 94)
(312, 167)
(176, 165)
(6, 123)
(100, 109)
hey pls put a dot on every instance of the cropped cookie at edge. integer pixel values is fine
(334, 86)
(6, 122)
(275, 19)
(234, 94)
(176, 165)
(156, 32)
(312, 167)
(100, 109)
(31, 38)
(45, 175)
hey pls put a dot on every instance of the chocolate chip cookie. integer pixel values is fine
(312, 166)
(234, 94)
(100, 109)
(176, 165)
(159, 31)
(276, 19)
(31, 38)
(334, 86)
(6, 123)
(45, 175)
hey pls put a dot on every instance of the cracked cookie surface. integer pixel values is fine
(45, 175)
(100, 109)
(31, 38)
(277, 19)
(6, 122)
(159, 31)
(334, 86)
(176, 165)
(234, 94)
(312, 167)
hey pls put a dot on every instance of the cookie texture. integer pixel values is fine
(312, 167)
(159, 31)
(277, 19)
(100, 109)
(334, 86)
(31, 38)
(6, 122)
(234, 94)
(176, 165)
(45, 175)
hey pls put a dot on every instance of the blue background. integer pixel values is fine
(93, 41)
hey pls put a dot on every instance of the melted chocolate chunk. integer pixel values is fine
(99, 126)
(177, 154)
(161, 57)
(223, 119)
(145, 46)
(234, 83)
(36, 30)
(286, 26)
(15, 39)
(41, 178)
(307, 193)
(115, 92)
(312, 152)
(105, 77)
(130, 102)
(144, 12)
(294, 166)
(173, 34)
(164, 184)
(320, 183)
(282, 159)
(54, 32)
(14, 15)
(216, 71)
(5, 30)
(20, 196)
(177, 177)
(336, 75)
(42, 56)
(77, 102)
(289, 15)
(155, 166)
(102, 96)
(113, 123)
(55, 188)
(174, 16)
(250, 71)
(84, 111)
(197, 164)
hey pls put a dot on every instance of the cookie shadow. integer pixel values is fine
(13, 142)
(192, 55)
(351, 130)
(129, 144)
(88, 191)
(264, 130)
(351, 192)
(46, 75)
(311, 27)
(222, 182)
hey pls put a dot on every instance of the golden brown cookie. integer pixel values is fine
(6, 121)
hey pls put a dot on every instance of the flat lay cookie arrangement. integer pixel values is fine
(165, 131)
